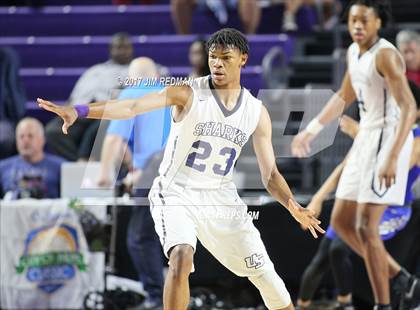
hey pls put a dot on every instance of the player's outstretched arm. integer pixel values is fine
(121, 109)
(332, 110)
(273, 181)
(390, 65)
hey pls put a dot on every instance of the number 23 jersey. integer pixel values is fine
(203, 147)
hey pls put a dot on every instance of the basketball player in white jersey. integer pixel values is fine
(375, 173)
(194, 195)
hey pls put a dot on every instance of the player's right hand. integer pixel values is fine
(305, 217)
(301, 144)
(316, 206)
(67, 113)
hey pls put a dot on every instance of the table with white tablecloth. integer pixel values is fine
(45, 262)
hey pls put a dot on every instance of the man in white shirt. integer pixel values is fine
(95, 84)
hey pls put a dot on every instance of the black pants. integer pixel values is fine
(331, 253)
(79, 141)
(145, 251)
(142, 240)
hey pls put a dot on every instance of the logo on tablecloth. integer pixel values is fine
(51, 257)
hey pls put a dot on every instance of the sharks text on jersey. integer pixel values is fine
(218, 129)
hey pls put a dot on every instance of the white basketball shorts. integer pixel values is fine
(360, 178)
(219, 219)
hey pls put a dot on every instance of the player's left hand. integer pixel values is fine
(305, 217)
(388, 172)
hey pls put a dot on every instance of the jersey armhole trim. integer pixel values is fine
(259, 115)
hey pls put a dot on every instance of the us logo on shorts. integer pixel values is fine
(255, 261)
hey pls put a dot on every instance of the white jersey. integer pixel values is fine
(203, 147)
(379, 116)
(377, 107)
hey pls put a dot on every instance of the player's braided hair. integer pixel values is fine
(228, 37)
(382, 8)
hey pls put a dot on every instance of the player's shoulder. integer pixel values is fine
(201, 88)
(388, 58)
(385, 54)
(250, 96)
(384, 43)
(262, 120)
(385, 48)
(250, 100)
(254, 108)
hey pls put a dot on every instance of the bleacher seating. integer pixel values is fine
(38, 52)
(96, 20)
(57, 43)
(52, 65)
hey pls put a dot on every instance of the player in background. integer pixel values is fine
(211, 120)
(333, 252)
(375, 173)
